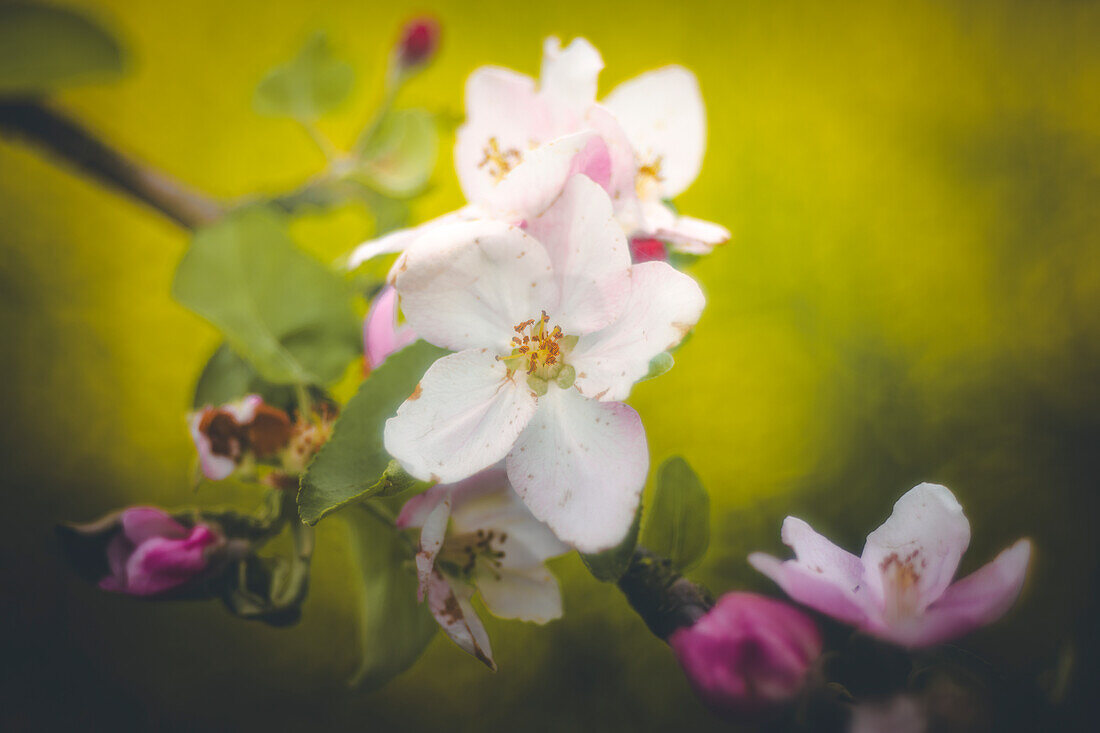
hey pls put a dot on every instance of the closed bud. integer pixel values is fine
(648, 250)
(748, 654)
(143, 551)
(419, 42)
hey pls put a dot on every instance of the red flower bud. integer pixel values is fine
(419, 42)
(648, 250)
(748, 654)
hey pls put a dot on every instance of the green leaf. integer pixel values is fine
(679, 518)
(658, 365)
(43, 48)
(610, 565)
(353, 463)
(308, 86)
(287, 314)
(399, 156)
(394, 629)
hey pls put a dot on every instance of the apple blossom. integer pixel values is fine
(476, 535)
(228, 435)
(147, 552)
(552, 325)
(900, 589)
(748, 653)
(382, 335)
(644, 144)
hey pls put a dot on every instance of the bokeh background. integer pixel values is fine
(912, 293)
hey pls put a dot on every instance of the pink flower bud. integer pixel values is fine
(419, 42)
(648, 250)
(747, 654)
(151, 552)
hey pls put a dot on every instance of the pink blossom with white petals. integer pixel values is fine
(477, 536)
(523, 139)
(900, 589)
(552, 325)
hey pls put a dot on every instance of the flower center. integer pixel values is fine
(649, 175)
(899, 582)
(461, 552)
(498, 161)
(539, 351)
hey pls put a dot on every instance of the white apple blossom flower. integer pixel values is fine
(477, 536)
(552, 326)
(644, 144)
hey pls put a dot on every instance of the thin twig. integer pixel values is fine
(72, 142)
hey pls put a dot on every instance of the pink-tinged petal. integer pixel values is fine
(141, 523)
(663, 115)
(382, 335)
(467, 285)
(402, 239)
(431, 542)
(975, 601)
(910, 560)
(415, 511)
(664, 305)
(595, 162)
(119, 550)
(464, 416)
(819, 555)
(529, 595)
(160, 564)
(569, 76)
(493, 481)
(589, 254)
(621, 179)
(580, 466)
(693, 236)
(456, 616)
(536, 183)
(811, 588)
(683, 233)
(504, 118)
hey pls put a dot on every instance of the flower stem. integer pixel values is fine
(664, 599)
(71, 141)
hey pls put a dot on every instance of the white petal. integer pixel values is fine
(454, 613)
(464, 416)
(535, 183)
(569, 76)
(467, 285)
(580, 466)
(812, 589)
(402, 239)
(529, 542)
(664, 305)
(663, 115)
(920, 544)
(590, 256)
(531, 595)
(431, 541)
(685, 234)
(501, 106)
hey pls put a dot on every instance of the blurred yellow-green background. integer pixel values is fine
(912, 293)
